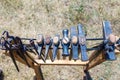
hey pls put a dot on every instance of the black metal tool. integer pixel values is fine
(9, 40)
(118, 43)
(109, 46)
(65, 43)
(33, 45)
(74, 43)
(82, 43)
(35, 48)
(12, 57)
(48, 43)
(56, 42)
(5, 34)
(16, 43)
(25, 51)
(20, 50)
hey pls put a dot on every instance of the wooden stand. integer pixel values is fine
(38, 72)
(95, 59)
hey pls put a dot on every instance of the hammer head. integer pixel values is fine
(48, 39)
(65, 40)
(56, 39)
(32, 42)
(5, 34)
(112, 38)
(82, 40)
(74, 40)
(40, 39)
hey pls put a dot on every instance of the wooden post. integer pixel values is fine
(97, 58)
(38, 72)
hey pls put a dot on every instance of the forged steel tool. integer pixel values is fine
(65, 43)
(82, 43)
(56, 42)
(8, 41)
(35, 48)
(33, 45)
(74, 43)
(48, 43)
(109, 42)
(20, 50)
(40, 44)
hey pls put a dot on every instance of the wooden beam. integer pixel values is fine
(62, 62)
(96, 61)
(97, 58)
(38, 72)
(117, 52)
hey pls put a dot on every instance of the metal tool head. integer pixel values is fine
(112, 38)
(40, 39)
(65, 32)
(47, 40)
(56, 40)
(5, 34)
(32, 42)
(74, 40)
(107, 30)
(74, 43)
(74, 35)
(65, 43)
(82, 40)
(48, 43)
(3, 42)
(65, 40)
(82, 43)
(109, 41)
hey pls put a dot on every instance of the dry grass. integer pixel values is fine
(27, 18)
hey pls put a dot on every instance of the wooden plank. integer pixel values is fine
(96, 61)
(38, 72)
(62, 62)
(97, 58)
(117, 52)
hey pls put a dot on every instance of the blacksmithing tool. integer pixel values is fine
(65, 43)
(40, 44)
(82, 43)
(48, 43)
(8, 41)
(74, 43)
(20, 50)
(109, 41)
(35, 48)
(56, 42)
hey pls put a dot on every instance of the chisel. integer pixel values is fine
(56, 42)
(40, 43)
(48, 43)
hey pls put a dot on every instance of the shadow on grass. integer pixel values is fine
(87, 76)
(1, 75)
